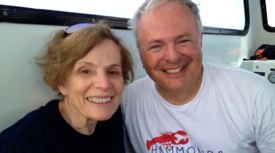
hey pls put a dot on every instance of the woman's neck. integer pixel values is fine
(76, 120)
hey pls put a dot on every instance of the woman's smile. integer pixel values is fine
(100, 100)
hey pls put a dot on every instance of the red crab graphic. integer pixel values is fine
(167, 139)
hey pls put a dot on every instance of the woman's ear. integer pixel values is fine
(62, 89)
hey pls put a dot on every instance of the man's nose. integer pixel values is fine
(172, 54)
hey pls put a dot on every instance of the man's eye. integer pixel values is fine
(156, 46)
(184, 41)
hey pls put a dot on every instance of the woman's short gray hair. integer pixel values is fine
(150, 5)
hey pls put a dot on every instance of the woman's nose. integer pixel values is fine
(102, 82)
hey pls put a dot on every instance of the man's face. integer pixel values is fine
(170, 47)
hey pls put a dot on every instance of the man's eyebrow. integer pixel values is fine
(154, 41)
(178, 37)
(183, 35)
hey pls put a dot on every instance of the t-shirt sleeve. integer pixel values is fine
(264, 118)
(14, 147)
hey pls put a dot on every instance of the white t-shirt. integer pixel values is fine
(233, 112)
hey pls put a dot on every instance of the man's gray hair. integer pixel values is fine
(150, 5)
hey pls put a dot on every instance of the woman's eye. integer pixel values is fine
(113, 73)
(85, 71)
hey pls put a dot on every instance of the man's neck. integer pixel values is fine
(183, 96)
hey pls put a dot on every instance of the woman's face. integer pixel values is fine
(94, 88)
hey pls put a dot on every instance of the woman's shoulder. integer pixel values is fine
(17, 135)
(27, 130)
(28, 124)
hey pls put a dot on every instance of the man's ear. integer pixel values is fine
(62, 89)
(201, 39)
(141, 58)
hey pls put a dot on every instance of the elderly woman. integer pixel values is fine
(89, 66)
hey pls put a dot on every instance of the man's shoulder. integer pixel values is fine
(230, 71)
(233, 76)
(222, 67)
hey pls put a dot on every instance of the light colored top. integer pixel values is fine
(234, 111)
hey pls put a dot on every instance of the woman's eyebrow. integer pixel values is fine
(115, 65)
(84, 63)
(92, 64)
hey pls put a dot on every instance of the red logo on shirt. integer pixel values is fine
(168, 139)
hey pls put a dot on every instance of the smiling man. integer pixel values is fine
(172, 56)
(185, 105)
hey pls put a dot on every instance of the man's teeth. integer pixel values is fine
(174, 70)
(99, 100)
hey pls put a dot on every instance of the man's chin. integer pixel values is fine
(171, 87)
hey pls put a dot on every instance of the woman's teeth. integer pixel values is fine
(174, 70)
(99, 100)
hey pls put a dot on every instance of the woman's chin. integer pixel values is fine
(103, 116)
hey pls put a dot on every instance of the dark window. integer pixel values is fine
(217, 16)
(268, 14)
